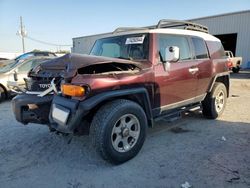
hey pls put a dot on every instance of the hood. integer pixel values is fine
(67, 65)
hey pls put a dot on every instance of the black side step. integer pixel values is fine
(176, 114)
(170, 117)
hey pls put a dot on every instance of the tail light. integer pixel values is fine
(229, 63)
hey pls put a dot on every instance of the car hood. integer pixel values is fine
(67, 65)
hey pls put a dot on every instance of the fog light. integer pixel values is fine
(32, 106)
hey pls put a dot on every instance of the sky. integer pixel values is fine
(59, 21)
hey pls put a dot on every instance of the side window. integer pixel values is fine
(25, 67)
(179, 41)
(200, 48)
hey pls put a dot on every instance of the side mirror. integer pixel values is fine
(172, 54)
(15, 76)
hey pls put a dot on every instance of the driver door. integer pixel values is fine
(177, 85)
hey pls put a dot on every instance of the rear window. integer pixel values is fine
(200, 48)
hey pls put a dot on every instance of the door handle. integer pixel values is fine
(193, 70)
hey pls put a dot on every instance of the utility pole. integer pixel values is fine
(22, 33)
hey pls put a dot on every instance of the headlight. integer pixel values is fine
(73, 90)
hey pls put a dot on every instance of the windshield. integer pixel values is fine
(8, 66)
(132, 47)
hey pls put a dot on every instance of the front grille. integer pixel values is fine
(38, 85)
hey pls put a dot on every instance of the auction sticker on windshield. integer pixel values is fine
(135, 40)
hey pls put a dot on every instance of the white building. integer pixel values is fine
(233, 29)
(9, 55)
(83, 45)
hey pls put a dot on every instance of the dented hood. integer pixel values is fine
(67, 65)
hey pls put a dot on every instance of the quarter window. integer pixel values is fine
(200, 48)
(165, 41)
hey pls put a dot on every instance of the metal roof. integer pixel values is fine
(221, 15)
(207, 17)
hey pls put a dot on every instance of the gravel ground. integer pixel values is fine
(205, 153)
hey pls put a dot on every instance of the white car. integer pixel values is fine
(13, 74)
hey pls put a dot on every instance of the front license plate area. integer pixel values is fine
(60, 114)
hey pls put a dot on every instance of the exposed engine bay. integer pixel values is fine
(108, 68)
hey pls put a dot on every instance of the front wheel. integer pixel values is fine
(215, 102)
(2, 94)
(118, 130)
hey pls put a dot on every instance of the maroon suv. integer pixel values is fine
(128, 80)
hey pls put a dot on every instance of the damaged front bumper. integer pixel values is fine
(30, 108)
(62, 114)
(34, 106)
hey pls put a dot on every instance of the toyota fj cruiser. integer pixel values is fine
(129, 80)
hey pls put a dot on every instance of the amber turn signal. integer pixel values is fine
(72, 90)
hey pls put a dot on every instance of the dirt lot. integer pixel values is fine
(205, 153)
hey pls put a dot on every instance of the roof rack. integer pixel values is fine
(166, 23)
(122, 29)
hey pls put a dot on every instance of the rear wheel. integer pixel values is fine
(118, 130)
(215, 102)
(236, 69)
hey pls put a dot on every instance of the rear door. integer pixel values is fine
(176, 86)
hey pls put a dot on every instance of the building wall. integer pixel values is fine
(232, 23)
(9, 55)
(83, 45)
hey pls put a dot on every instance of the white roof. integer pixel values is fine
(205, 36)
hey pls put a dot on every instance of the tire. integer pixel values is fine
(111, 140)
(236, 69)
(215, 102)
(2, 94)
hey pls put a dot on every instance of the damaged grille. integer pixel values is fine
(40, 84)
